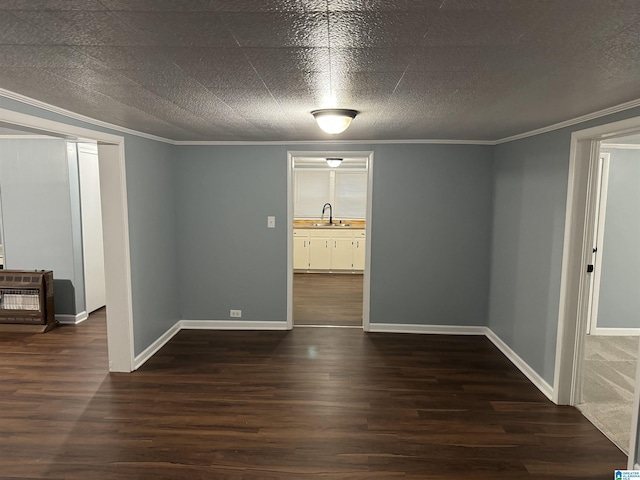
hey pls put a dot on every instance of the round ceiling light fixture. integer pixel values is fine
(334, 120)
(334, 162)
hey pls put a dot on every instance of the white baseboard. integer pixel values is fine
(523, 366)
(231, 325)
(426, 329)
(152, 349)
(72, 319)
(622, 332)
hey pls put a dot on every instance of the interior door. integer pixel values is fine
(92, 240)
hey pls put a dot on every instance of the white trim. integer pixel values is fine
(426, 329)
(620, 146)
(601, 195)
(335, 142)
(617, 332)
(521, 365)
(28, 137)
(573, 121)
(366, 280)
(357, 327)
(232, 325)
(72, 319)
(290, 189)
(76, 116)
(152, 349)
(115, 221)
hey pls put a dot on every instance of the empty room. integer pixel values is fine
(312, 239)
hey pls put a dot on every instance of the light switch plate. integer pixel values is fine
(271, 221)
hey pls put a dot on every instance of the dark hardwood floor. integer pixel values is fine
(308, 403)
(328, 299)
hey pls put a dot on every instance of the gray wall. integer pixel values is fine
(528, 231)
(37, 214)
(431, 233)
(153, 237)
(228, 259)
(619, 302)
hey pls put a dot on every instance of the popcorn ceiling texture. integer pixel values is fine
(253, 69)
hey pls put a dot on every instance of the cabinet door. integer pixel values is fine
(301, 252)
(342, 254)
(359, 242)
(319, 253)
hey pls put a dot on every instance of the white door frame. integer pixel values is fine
(600, 219)
(574, 284)
(115, 221)
(366, 288)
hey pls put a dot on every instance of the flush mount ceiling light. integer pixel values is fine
(334, 120)
(334, 162)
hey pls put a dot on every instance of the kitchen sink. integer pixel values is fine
(330, 224)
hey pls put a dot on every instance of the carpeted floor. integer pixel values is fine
(608, 385)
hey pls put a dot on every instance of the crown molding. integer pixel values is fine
(574, 121)
(556, 126)
(339, 142)
(76, 116)
(28, 137)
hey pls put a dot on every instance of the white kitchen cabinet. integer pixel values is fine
(342, 253)
(300, 249)
(319, 250)
(328, 249)
(359, 243)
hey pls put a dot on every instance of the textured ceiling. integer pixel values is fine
(253, 69)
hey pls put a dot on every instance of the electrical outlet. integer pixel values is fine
(235, 313)
(271, 221)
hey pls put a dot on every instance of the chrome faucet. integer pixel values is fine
(324, 207)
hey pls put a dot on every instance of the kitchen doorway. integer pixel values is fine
(329, 200)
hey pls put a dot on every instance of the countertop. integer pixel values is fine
(355, 224)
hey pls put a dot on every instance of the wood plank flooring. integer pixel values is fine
(327, 299)
(308, 403)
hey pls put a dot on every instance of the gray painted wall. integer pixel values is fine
(37, 215)
(619, 302)
(153, 237)
(228, 258)
(528, 231)
(431, 233)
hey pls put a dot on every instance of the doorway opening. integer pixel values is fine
(592, 365)
(115, 226)
(611, 338)
(329, 211)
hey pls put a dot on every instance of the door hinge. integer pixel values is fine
(589, 268)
